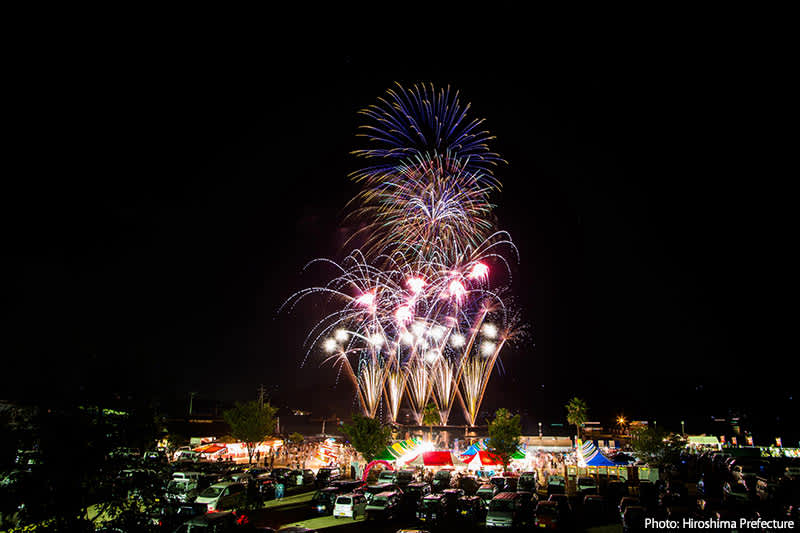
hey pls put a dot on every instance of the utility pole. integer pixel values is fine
(261, 396)
(191, 398)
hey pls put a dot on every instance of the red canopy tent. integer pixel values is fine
(210, 448)
(443, 459)
(483, 458)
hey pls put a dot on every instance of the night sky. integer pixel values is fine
(161, 200)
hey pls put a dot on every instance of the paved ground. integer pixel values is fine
(295, 510)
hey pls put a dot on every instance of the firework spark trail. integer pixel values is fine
(413, 303)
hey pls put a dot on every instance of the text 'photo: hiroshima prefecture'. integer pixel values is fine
(257, 286)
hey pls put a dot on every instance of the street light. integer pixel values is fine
(540, 430)
(683, 429)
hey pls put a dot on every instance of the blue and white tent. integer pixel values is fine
(590, 455)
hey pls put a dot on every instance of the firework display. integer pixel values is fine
(416, 316)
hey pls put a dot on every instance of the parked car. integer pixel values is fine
(168, 516)
(281, 474)
(451, 497)
(633, 518)
(625, 502)
(486, 492)
(348, 485)
(505, 510)
(302, 477)
(223, 496)
(547, 516)
(527, 481)
(327, 475)
(441, 480)
(323, 500)
(223, 522)
(504, 483)
(350, 505)
(403, 478)
(412, 496)
(594, 510)
(387, 476)
(432, 509)
(587, 485)
(266, 486)
(372, 490)
(384, 506)
(470, 509)
(563, 503)
(556, 485)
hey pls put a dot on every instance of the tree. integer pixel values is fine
(430, 418)
(251, 423)
(577, 413)
(295, 438)
(367, 435)
(657, 447)
(504, 432)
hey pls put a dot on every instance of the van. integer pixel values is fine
(505, 510)
(222, 496)
(350, 505)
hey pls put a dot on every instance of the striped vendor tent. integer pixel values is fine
(590, 455)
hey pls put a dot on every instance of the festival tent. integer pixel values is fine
(444, 459)
(481, 446)
(210, 448)
(397, 450)
(487, 458)
(590, 455)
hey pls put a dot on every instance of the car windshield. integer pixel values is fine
(379, 500)
(211, 492)
(320, 496)
(344, 500)
(546, 510)
(501, 505)
(178, 485)
(485, 493)
(430, 504)
(586, 481)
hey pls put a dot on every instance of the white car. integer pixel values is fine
(186, 475)
(349, 505)
(222, 496)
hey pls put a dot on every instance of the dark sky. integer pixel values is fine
(161, 199)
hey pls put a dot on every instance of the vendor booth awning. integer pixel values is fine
(398, 449)
(704, 440)
(487, 458)
(446, 458)
(210, 448)
(590, 455)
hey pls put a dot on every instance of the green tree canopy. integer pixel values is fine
(367, 435)
(295, 438)
(577, 413)
(504, 432)
(656, 447)
(430, 418)
(251, 423)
